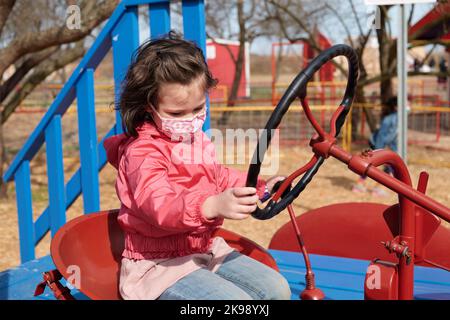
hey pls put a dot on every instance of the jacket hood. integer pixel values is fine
(115, 146)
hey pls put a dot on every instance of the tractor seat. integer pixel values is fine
(94, 242)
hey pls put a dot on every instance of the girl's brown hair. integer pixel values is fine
(166, 60)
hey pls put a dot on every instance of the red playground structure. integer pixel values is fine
(399, 240)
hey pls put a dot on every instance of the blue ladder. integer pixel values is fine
(121, 33)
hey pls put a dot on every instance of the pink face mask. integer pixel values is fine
(178, 129)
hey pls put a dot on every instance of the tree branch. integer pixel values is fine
(5, 9)
(33, 42)
(23, 70)
(355, 14)
(388, 75)
(42, 71)
(412, 43)
(411, 13)
(342, 22)
(251, 13)
(310, 39)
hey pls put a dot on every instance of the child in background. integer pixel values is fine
(384, 137)
(442, 78)
(170, 204)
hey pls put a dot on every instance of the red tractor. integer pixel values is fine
(391, 243)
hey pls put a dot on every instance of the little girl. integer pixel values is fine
(171, 205)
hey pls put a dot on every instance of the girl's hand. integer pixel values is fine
(271, 182)
(233, 203)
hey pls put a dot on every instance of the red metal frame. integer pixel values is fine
(366, 165)
(356, 230)
(410, 200)
(432, 24)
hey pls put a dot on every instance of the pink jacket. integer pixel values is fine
(161, 186)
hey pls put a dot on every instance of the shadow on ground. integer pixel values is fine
(341, 181)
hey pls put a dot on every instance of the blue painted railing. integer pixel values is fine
(121, 33)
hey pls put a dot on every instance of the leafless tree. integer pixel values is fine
(298, 20)
(241, 20)
(34, 42)
(387, 45)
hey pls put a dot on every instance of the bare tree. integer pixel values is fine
(298, 21)
(298, 18)
(251, 24)
(35, 42)
(387, 45)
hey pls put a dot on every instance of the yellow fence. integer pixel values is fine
(298, 128)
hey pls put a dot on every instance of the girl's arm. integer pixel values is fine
(229, 177)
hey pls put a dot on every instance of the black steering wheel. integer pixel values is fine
(298, 88)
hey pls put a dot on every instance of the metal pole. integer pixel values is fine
(402, 43)
(406, 269)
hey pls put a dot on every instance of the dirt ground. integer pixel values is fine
(331, 185)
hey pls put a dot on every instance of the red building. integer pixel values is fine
(219, 55)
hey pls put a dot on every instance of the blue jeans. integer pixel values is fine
(238, 278)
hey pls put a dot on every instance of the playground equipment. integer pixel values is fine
(73, 245)
(94, 242)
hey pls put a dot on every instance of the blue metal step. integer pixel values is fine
(343, 278)
(19, 283)
(339, 278)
